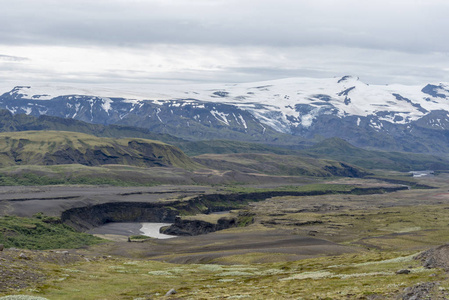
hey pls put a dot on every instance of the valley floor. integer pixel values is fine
(336, 246)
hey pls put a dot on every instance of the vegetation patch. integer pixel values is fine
(412, 183)
(284, 165)
(27, 179)
(41, 232)
(339, 149)
(63, 147)
(77, 174)
(318, 187)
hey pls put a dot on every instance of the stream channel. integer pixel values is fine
(131, 228)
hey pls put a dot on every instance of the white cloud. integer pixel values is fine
(245, 40)
(196, 63)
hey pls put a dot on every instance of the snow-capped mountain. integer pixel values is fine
(399, 117)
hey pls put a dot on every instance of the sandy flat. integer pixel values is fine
(118, 228)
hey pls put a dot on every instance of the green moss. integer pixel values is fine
(27, 179)
(244, 220)
(138, 237)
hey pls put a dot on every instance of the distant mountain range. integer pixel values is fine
(332, 148)
(292, 112)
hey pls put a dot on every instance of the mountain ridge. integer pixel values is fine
(288, 111)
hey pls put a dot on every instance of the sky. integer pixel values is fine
(107, 42)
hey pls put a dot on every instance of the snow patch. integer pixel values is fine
(106, 104)
(243, 121)
(220, 116)
(158, 110)
(28, 110)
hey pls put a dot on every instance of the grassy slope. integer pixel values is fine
(117, 175)
(334, 148)
(347, 277)
(194, 148)
(273, 164)
(52, 147)
(40, 233)
(341, 150)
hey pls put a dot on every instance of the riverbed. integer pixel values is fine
(131, 228)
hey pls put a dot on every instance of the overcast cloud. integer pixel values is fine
(144, 41)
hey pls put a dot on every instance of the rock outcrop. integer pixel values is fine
(197, 227)
(435, 258)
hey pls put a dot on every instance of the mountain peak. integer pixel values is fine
(348, 78)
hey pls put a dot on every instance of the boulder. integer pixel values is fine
(171, 292)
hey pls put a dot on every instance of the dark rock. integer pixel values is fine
(84, 218)
(419, 291)
(433, 90)
(1, 247)
(403, 271)
(197, 227)
(435, 258)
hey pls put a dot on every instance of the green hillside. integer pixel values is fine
(284, 165)
(338, 149)
(194, 148)
(62, 147)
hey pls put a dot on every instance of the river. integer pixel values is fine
(130, 228)
(426, 173)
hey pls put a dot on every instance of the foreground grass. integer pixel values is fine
(349, 276)
(40, 233)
